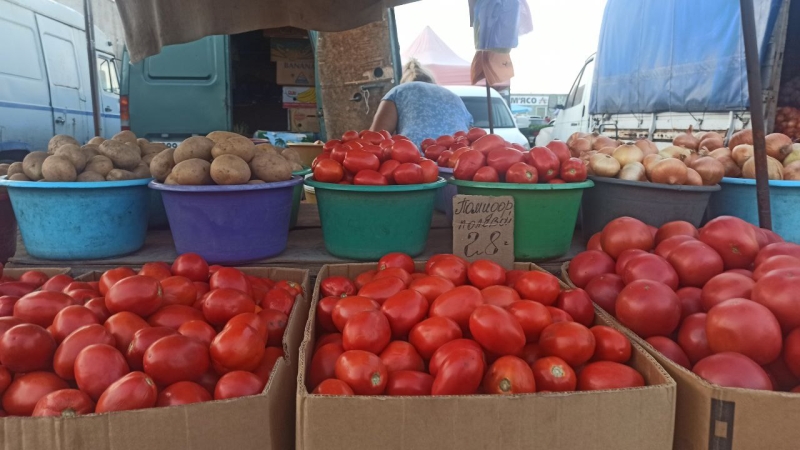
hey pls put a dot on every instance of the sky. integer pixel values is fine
(547, 60)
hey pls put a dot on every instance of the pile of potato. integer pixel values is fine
(123, 157)
(223, 158)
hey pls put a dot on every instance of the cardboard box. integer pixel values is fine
(295, 73)
(303, 120)
(629, 419)
(299, 97)
(260, 422)
(282, 49)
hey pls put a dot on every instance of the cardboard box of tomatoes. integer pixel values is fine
(263, 421)
(630, 418)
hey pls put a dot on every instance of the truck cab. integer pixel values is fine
(574, 114)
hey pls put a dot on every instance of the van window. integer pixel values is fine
(575, 96)
(61, 64)
(18, 53)
(107, 74)
(480, 112)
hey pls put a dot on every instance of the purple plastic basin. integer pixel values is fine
(229, 224)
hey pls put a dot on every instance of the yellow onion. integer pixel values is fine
(774, 169)
(722, 151)
(628, 153)
(711, 171)
(601, 141)
(792, 171)
(693, 156)
(686, 139)
(732, 170)
(577, 135)
(693, 178)
(711, 143)
(741, 153)
(650, 162)
(604, 165)
(579, 146)
(647, 146)
(607, 151)
(776, 145)
(676, 152)
(741, 137)
(669, 171)
(633, 172)
(710, 134)
(793, 155)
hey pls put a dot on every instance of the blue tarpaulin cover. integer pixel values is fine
(675, 55)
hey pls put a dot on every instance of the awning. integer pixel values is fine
(151, 24)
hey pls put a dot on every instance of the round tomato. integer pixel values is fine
(457, 304)
(97, 367)
(745, 327)
(276, 325)
(650, 267)
(778, 292)
(404, 310)
(237, 347)
(267, 363)
(330, 338)
(509, 375)
(230, 278)
(328, 170)
(538, 286)
(604, 375)
(725, 286)
(665, 248)
(70, 319)
(730, 369)
(324, 314)
(138, 294)
(693, 339)
(158, 270)
(98, 307)
(610, 345)
(368, 331)
(323, 364)
(110, 277)
(223, 304)
(26, 390)
(364, 372)
(626, 233)
(142, 340)
(183, 393)
(64, 358)
(430, 171)
(64, 403)
(349, 307)
(696, 263)
(559, 315)
(670, 349)
(333, 386)
(501, 296)
(176, 358)
(533, 317)
(676, 228)
(595, 242)
(27, 348)
(405, 151)
(198, 329)
(173, 316)
(774, 263)
(380, 289)
(398, 260)
(782, 378)
(430, 334)
(255, 321)
(625, 257)
(459, 373)
(649, 308)
(733, 239)
(448, 266)
(135, 390)
(570, 341)
(691, 301)
(522, 173)
(191, 266)
(408, 383)
(400, 355)
(791, 352)
(178, 290)
(775, 249)
(588, 265)
(41, 307)
(337, 287)
(484, 273)
(278, 299)
(6, 323)
(577, 303)
(553, 374)
(408, 173)
(604, 290)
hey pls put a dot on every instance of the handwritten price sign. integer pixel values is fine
(483, 228)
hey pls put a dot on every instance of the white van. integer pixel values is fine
(474, 98)
(44, 77)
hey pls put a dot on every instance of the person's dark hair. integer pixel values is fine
(414, 71)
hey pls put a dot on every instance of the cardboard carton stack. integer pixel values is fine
(294, 59)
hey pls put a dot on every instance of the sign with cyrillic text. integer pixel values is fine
(483, 228)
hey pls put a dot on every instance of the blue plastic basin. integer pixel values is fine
(738, 198)
(90, 220)
(230, 224)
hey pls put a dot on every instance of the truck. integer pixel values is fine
(660, 69)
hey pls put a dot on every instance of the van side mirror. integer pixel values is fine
(559, 106)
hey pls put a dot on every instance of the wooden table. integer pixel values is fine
(305, 249)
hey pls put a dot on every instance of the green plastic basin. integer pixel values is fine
(366, 222)
(297, 195)
(544, 214)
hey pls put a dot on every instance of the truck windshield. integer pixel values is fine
(480, 112)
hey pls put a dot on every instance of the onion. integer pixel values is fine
(741, 137)
(650, 162)
(693, 156)
(732, 170)
(607, 151)
(576, 135)
(776, 143)
(647, 146)
(601, 141)
(774, 169)
(720, 152)
(741, 153)
(693, 178)
(792, 171)
(711, 143)
(674, 151)
(793, 155)
(628, 153)
(633, 172)
(710, 134)
(669, 171)
(604, 165)
(686, 139)
(710, 170)
(579, 146)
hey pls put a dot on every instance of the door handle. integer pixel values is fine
(574, 124)
(60, 120)
(107, 109)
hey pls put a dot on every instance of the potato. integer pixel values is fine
(142, 142)
(295, 166)
(133, 148)
(99, 164)
(153, 148)
(194, 147)
(162, 164)
(142, 171)
(4, 169)
(59, 140)
(221, 136)
(239, 146)
(19, 177)
(89, 176)
(229, 169)
(256, 182)
(122, 155)
(32, 165)
(74, 154)
(90, 150)
(269, 167)
(264, 148)
(192, 172)
(58, 168)
(291, 155)
(97, 140)
(170, 180)
(125, 136)
(148, 158)
(120, 175)
(15, 168)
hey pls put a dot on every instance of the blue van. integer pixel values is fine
(44, 77)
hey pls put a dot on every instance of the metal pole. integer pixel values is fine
(89, 23)
(489, 105)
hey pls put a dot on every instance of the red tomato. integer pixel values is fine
(652, 268)
(337, 287)
(484, 273)
(400, 355)
(430, 334)
(457, 304)
(649, 308)
(676, 228)
(324, 313)
(588, 265)
(559, 315)
(178, 290)
(486, 174)
(26, 390)
(364, 372)
(230, 278)
(733, 239)
(553, 374)
(393, 272)
(255, 321)
(522, 173)
(7, 305)
(459, 373)
(476, 133)
(409, 383)
(333, 386)
(267, 363)
(501, 159)
(41, 307)
(97, 367)
(693, 339)
(158, 270)
(538, 286)
(350, 135)
(81, 296)
(501, 296)
(176, 358)
(183, 393)
(405, 152)
(570, 341)
(625, 257)
(782, 378)
(364, 278)
(349, 307)
(142, 340)
(380, 289)
(404, 310)
(725, 286)
(745, 327)
(691, 303)
(5, 380)
(573, 170)
(604, 290)
(731, 369)
(444, 159)
(497, 330)
(509, 375)
(330, 338)
(328, 170)
(368, 331)
(7, 322)
(671, 350)
(610, 345)
(323, 364)
(625, 233)
(198, 329)
(64, 403)
(430, 171)
(67, 351)
(138, 294)
(27, 348)
(223, 304)
(237, 347)
(387, 170)
(34, 277)
(370, 178)
(135, 390)
(408, 173)
(533, 317)
(279, 299)
(111, 277)
(604, 375)
(775, 263)
(191, 266)
(17, 288)
(791, 352)
(665, 248)
(431, 286)
(695, 262)
(468, 164)
(778, 292)
(444, 352)
(396, 260)
(451, 267)
(546, 163)
(276, 325)
(173, 316)
(775, 249)
(595, 242)
(577, 303)
(98, 307)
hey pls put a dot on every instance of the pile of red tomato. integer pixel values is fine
(373, 158)
(489, 158)
(459, 328)
(163, 336)
(721, 301)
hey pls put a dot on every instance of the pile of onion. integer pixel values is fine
(777, 145)
(723, 155)
(604, 165)
(741, 137)
(647, 146)
(601, 141)
(686, 139)
(669, 171)
(741, 153)
(710, 170)
(774, 168)
(711, 141)
(628, 153)
(677, 152)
